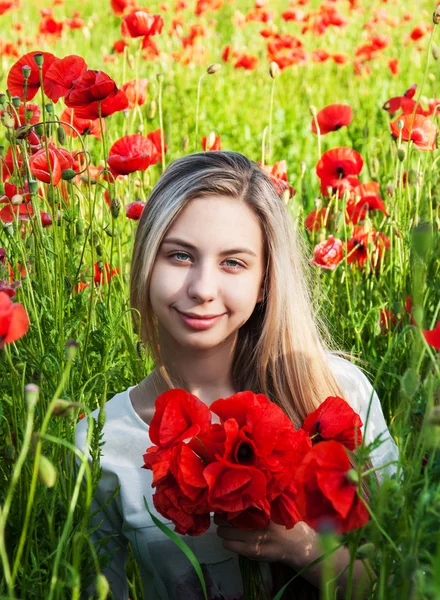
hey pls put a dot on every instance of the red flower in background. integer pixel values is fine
(84, 126)
(334, 419)
(136, 91)
(134, 210)
(357, 246)
(61, 76)
(102, 273)
(213, 142)
(91, 86)
(135, 153)
(337, 168)
(14, 321)
(325, 493)
(317, 219)
(328, 253)
(59, 160)
(433, 336)
(16, 79)
(332, 118)
(119, 7)
(417, 128)
(32, 114)
(140, 22)
(246, 61)
(9, 213)
(278, 176)
(369, 200)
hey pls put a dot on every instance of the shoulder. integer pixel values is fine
(353, 381)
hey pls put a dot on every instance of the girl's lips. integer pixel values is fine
(200, 324)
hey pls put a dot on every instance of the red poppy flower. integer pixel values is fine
(9, 288)
(84, 126)
(134, 210)
(91, 86)
(278, 176)
(14, 321)
(215, 142)
(332, 118)
(136, 91)
(386, 320)
(417, 128)
(16, 79)
(325, 493)
(105, 108)
(339, 163)
(13, 157)
(102, 273)
(187, 469)
(135, 153)
(334, 419)
(140, 22)
(62, 74)
(119, 7)
(328, 253)
(246, 61)
(393, 65)
(178, 416)
(9, 213)
(369, 200)
(49, 26)
(317, 219)
(59, 159)
(119, 46)
(32, 114)
(357, 245)
(11, 190)
(433, 336)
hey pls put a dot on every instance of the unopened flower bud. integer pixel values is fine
(16, 101)
(214, 68)
(23, 132)
(62, 408)
(39, 129)
(2, 99)
(49, 108)
(17, 199)
(274, 69)
(39, 59)
(318, 203)
(400, 124)
(71, 348)
(61, 135)
(26, 70)
(115, 207)
(365, 551)
(303, 167)
(435, 51)
(47, 472)
(152, 109)
(102, 587)
(31, 392)
(79, 226)
(210, 140)
(352, 476)
(285, 196)
(401, 153)
(68, 174)
(185, 142)
(436, 16)
(313, 110)
(130, 60)
(159, 77)
(8, 120)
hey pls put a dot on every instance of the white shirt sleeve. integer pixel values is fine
(116, 546)
(361, 396)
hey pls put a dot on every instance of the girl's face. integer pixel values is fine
(217, 269)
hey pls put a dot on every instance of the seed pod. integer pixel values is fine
(71, 348)
(31, 392)
(26, 71)
(62, 408)
(47, 472)
(365, 551)
(214, 68)
(16, 101)
(39, 59)
(33, 186)
(39, 129)
(401, 153)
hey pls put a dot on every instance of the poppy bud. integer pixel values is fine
(101, 418)
(8, 229)
(214, 68)
(8, 120)
(26, 71)
(39, 59)
(152, 109)
(71, 348)
(400, 124)
(274, 70)
(17, 199)
(46, 472)
(210, 140)
(435, 51)
(352, 476)
(110, 234)
(68, 174)
(159, 77)
(2, 99)
(16, 101)
(39, 129)
(61, 136)
(140, 350)
(79, 226)
(62, 408)
(313, 111)
(286, 196)
(401, 153)
(115, 207)
(102, 587)
(374, 167)
(23, 132)
(31, 392)
(390, 189)
(436, 16)
(49, 108)
(365, 551)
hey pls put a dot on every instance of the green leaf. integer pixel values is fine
(181, 544)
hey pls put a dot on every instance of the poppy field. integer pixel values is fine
(338, 101)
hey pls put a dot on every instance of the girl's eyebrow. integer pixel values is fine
(175, 240)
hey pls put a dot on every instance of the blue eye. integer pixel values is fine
(237, 265)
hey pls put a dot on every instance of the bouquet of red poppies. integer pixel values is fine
(253, 466)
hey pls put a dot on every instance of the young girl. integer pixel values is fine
(218, 281)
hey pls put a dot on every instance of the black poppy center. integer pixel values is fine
(340, 172)
(245, 453)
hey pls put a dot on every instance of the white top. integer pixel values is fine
(166, 572)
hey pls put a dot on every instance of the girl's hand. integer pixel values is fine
(296, 547)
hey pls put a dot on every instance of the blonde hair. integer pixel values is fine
(282, 350)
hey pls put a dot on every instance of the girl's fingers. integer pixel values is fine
(230, 533)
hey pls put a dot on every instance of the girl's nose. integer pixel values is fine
(202, 283)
